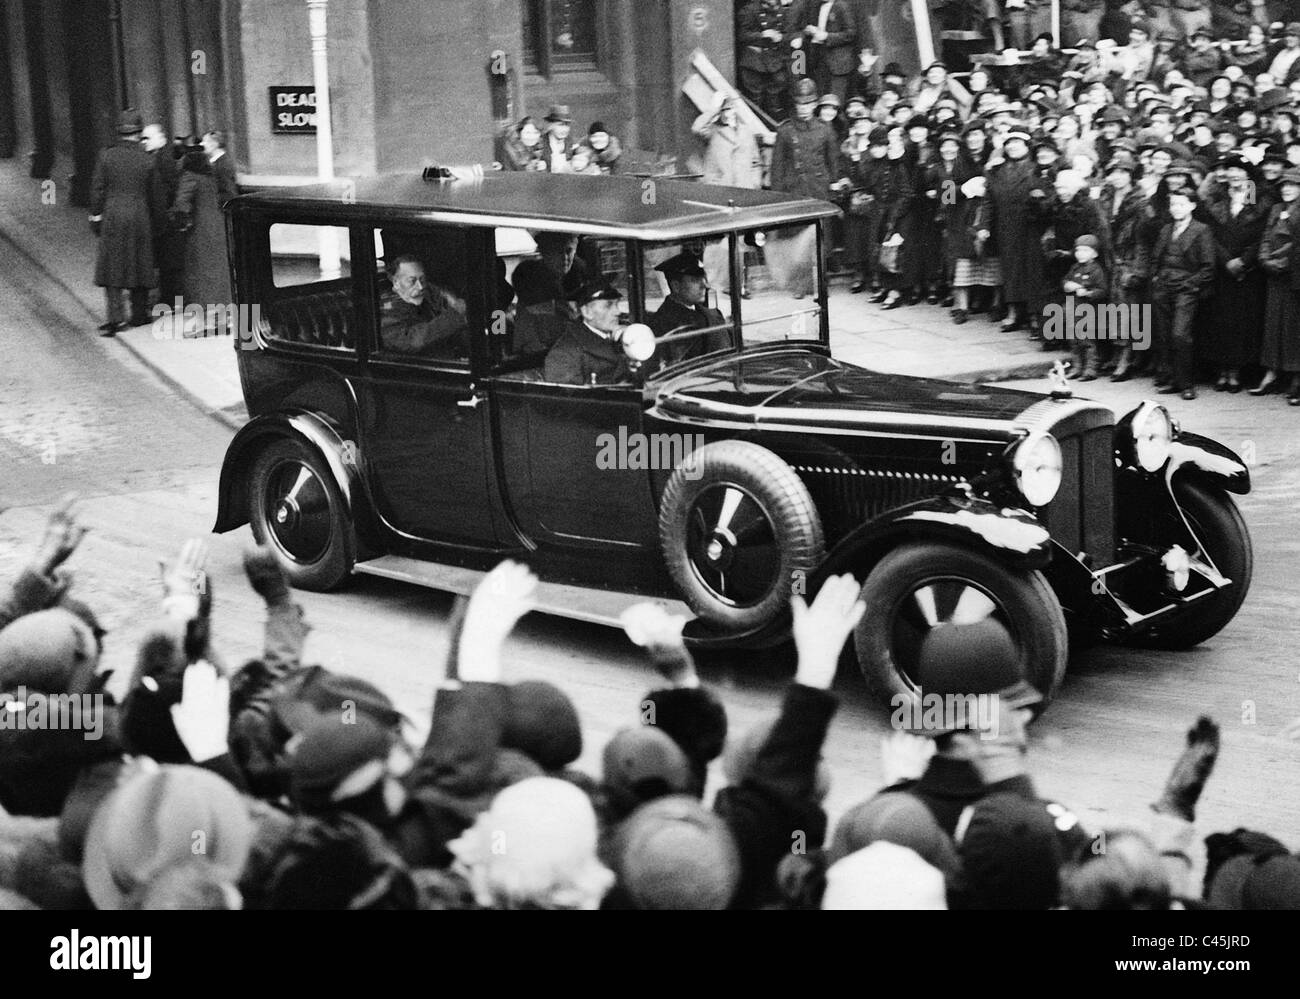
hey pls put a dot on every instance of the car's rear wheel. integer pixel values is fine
(922, 585)
(296, 509)
(739, 531)
(1216, 521)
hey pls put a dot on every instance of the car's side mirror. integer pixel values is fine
(638, 342)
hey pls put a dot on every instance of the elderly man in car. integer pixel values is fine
(588, 352)
(416, 318)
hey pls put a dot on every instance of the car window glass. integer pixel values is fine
(310, 301)
(781, 277)
(421, 296)
(539, 275)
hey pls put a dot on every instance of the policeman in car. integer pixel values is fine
(418, 319)
(686, 308)
(589, 351)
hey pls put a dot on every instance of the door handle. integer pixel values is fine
(471, 402)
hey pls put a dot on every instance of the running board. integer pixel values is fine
(579, 603)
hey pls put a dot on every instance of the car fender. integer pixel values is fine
(1207, 461)
(1013, 537)
(307, 427)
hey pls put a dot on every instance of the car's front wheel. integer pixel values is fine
(1218, 524)
(923, 585)
(296, 509)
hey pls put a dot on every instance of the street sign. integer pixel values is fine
(293, 110)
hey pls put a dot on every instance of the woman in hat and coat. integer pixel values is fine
(1279, 257)
(1231, 340)
(195, 212)
(125, 200)
(1011, 187)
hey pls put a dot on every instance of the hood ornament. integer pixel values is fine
(1060, 387)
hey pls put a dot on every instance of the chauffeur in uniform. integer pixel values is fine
(686, 308)
(588, 352)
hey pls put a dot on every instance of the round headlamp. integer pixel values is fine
(1037, 465)
(1153, 436)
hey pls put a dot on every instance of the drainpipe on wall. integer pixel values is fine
(316, 14)
(119, 54)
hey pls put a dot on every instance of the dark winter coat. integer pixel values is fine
(207, 265)
(124, 190)
(775, 803)
(1019, 233)
(1233, 336)
(804, 158)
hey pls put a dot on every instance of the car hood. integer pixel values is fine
(804, 387)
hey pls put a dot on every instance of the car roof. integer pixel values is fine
(646, 208)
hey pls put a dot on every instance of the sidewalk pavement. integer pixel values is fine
(54, 234)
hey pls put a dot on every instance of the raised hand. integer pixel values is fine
(904, 756)
(265, 575)
(1191, 770)
(650, 626)
(505, 595)
(185, 582)
(820, 630)
(62, 535)
(202, 718)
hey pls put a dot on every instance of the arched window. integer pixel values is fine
(559, 36)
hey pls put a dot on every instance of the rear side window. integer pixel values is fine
(423, 293)
(309, 298)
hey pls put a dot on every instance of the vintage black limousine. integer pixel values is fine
(719, 482)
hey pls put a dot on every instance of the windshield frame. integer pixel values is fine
(636, 290)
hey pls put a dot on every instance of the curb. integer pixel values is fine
(233, 417)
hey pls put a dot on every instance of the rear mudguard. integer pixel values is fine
(308, 428)
(1013, 537)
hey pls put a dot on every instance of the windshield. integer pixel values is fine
(688, 295)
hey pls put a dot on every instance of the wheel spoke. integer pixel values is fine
(926, 601)
(300, 483)
(731, 501)
(972, 607)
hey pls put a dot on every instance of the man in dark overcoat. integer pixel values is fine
(124, 200)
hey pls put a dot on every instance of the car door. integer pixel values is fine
(425, 435)
(565, 475)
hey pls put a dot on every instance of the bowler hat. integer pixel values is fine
(978, 658)
(129, 122)
(560, 113)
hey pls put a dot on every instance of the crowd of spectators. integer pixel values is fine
(1153, 174)
(284, 785)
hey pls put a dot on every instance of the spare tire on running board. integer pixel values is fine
(739, 530)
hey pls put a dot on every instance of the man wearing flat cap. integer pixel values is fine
(588, 351)
(125, 206)
(686, 308)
